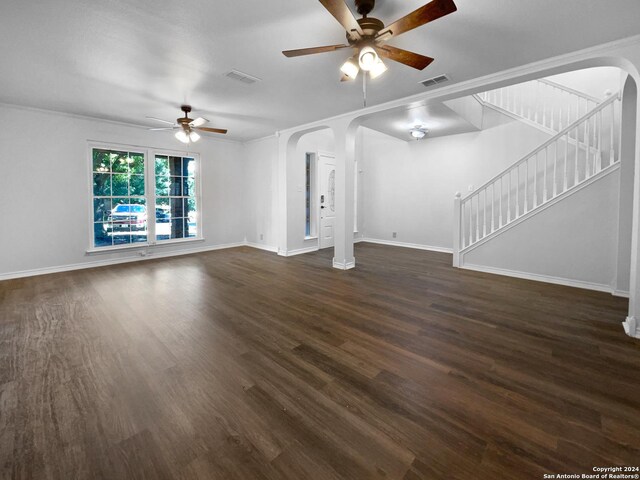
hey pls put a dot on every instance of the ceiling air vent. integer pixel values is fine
(242, 77)
(430, 82)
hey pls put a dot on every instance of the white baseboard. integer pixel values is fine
(416, 246)
(259, 246)
(299, 251)
(148, 255)
(343, 265)
(538, 277)
(631, 327)
(620, 293)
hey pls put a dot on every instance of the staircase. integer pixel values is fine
(542, 103)
(583, 147)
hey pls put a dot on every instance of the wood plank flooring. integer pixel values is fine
(239, 364)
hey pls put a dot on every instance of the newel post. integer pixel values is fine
(457, 214)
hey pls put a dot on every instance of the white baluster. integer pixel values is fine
(612, 153)
(470, 202)
(586, 144)
(521, 88)
(566, 161)
(478, 217)
(536, 101)
(577, 173)
(509, 198)
(493, 202)
(526, 185)
(544, 177)
(535, 181)
(587, 136)
(462, 222)
(563, 110)
(500, 203)
(555, 167)
(599, 152)
(577, 114)
(484, 215)
(517, 191)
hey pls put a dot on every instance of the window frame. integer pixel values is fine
(149, 154)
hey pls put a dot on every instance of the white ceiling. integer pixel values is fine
(122, 60)
(437, 118)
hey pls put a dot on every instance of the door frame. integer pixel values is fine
(332, 155)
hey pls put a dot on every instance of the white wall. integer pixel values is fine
(409, 186)
(45, 192)
(261, 192)
(574, 240)
(592, 81)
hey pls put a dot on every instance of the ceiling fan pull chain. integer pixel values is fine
(364, 89)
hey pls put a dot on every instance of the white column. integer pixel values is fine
(281, 186)
(625, 199)
(345, 150)
(632, 323)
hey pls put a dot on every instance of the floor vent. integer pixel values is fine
(242, 77)
(430, 82)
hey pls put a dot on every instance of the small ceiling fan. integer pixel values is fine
(187, 127)
(368, 36)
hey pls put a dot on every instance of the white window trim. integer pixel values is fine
(150, 189)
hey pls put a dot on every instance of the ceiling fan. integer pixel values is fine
(186, 127)
(368, 36)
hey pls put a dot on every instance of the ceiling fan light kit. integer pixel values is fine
(350, 68)
(186, 127)
(368, 36)
(378, 69)
(367, 58)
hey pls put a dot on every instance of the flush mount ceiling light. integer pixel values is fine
(418, 132)
(186, 127)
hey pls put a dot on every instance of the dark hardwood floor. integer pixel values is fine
(239, 364)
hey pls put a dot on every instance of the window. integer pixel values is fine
(311, 204)
(175, 197)
(119, 203)
(125, 191)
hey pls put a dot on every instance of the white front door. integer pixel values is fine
(327, 201)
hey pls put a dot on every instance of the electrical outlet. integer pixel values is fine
(395, 234)
(261, 236)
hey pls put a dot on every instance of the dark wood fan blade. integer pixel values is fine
(213, 130)
(425, 14)
(341, 12)
(411, 59)
(310, 51)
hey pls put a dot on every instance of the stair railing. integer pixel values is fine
(542, 102)
(578, 152)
